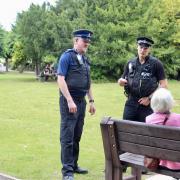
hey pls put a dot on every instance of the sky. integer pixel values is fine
(10, 8)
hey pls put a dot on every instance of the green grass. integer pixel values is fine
(29, 127)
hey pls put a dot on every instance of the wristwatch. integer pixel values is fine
(91, 100)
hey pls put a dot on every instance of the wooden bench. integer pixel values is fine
(126, 143)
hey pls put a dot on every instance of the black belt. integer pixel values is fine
(74, 97)
(78, 98)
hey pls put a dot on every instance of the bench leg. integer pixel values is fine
(112, 173)
(108, 170)
(136, 172)
(118, 174)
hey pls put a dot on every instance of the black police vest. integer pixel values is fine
(78, 75)
(141, 80)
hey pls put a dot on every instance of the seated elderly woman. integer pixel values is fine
(161, 103)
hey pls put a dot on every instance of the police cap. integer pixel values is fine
(83, 33)
(145, 41)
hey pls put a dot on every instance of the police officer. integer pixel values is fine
(74, 83)
(142, 76)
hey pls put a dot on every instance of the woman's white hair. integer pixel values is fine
(162, 101)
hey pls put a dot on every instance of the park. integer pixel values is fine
(29, 128)
(29, 93)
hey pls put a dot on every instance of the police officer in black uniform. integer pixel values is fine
(142, 76)
(74, 83)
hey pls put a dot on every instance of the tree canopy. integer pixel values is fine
(45, 31)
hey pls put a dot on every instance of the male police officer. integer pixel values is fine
(141, 77)
(74, 83)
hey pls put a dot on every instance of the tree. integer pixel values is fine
(1, 40)
(46, 31)
(30, 29)
(115, 24)
(163, 23)
(19, 59)
(6, 45)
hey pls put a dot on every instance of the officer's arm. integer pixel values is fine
(122, 81)
(90, 95)
(64, 89)
(160, 74)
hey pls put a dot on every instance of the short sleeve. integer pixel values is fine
(63, 64)
(160, 74)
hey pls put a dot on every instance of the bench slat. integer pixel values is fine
(166, 132)
(135, 160)
(150, 141)
(132, 158)
(150, 151)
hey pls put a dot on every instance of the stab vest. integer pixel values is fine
(141, 79)
(78, 75)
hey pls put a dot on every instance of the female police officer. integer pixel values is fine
(141, 77)
(74, 83)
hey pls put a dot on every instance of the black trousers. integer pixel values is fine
(71, 128)
(134, 111)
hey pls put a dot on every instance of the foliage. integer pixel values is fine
(19, 59)
(50, 59)
(46, 31)
(164, 27)
(7, 43)
(1, 40)
(30, 30)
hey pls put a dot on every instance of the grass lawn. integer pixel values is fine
(29, 130)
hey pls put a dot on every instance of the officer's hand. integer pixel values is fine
(122, 82)
(144, 101)
(72, 106)
(92, 108)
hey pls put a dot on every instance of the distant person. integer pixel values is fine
(47, 71)
(162, 103)
(74, 84)
(142, 76)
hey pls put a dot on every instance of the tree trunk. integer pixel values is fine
(178, 75)
(7, 64)
(37, 68)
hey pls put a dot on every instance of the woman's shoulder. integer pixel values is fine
(155, 118)
(174, 116)
(158, 118)
(173, 120)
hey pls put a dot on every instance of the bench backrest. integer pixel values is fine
(158, 141)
